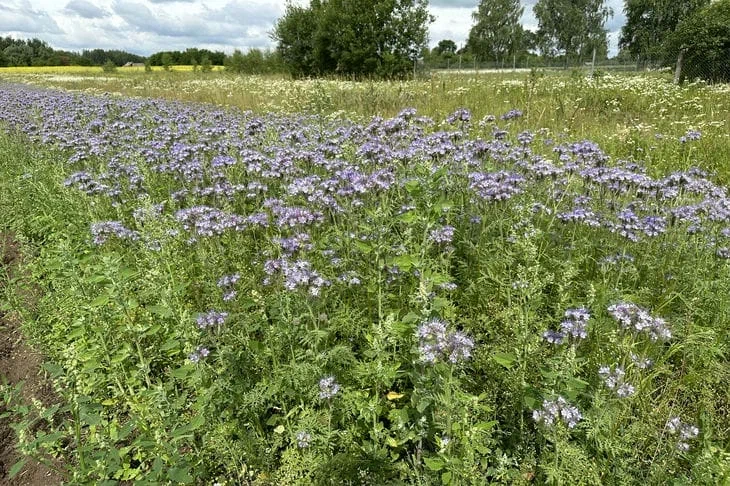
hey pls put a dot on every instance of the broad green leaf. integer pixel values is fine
(180, 475)
(101, 300)
(160, 310)
(434, 463)
(504, 359)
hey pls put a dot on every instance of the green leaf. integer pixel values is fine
(160, 310)
(103, 299)
(182, 372)
(16, 468)
(486, 425)
(180, 475)
(446, 477)
(170, 344)
(363, 247)
(391, 442)
(408, 217)
(410, 318)
(504, 359)
(279, 429)
(434, 463)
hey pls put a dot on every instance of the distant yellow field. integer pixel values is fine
(85, 69)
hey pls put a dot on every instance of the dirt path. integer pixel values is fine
(18, 362)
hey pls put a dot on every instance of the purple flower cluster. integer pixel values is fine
(573, 326)
(690, 136)
(442, 235)
(199, 353)
(211, 319)
(296, 274)
(304, 439)
(558, 409)
(614, 380)
(461, 115)
(436, 342)
(684, 431)
(514, 113)
(328, 388)
(102, 231)
(631, 316)
(496, 186)
(227, 283)
(209, 221)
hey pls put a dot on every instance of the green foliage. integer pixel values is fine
(571, 28)
(166, 61)
(497, 31)
(186, 57)
(205, 65)
(97, 57)
(255, 61)
(704, 37)
(109, 67)
(372, 38)
(649, 23)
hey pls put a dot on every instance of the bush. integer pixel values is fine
(205, 65)
(166, 62)
(109, 67)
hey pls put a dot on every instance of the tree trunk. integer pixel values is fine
(678, 69)
(593, 63)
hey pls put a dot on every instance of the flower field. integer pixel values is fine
(424, 297)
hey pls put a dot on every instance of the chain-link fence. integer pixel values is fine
(711, 69)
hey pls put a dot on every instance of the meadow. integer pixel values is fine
(466, 279)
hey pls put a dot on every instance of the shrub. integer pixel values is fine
(109, 67)
(205, 65)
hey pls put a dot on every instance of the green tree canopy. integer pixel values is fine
(445, 47)
(649, 23)
(361, 38)
(496, 32)
(572, 28)
(704, 37)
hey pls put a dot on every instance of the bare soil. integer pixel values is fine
(20, 363)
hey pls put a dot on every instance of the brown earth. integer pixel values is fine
(20, 363)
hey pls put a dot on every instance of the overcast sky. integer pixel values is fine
(147, 26)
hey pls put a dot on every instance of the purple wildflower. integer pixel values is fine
(328, 388)
(211, 318)
(435, 342)
(558, 409)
